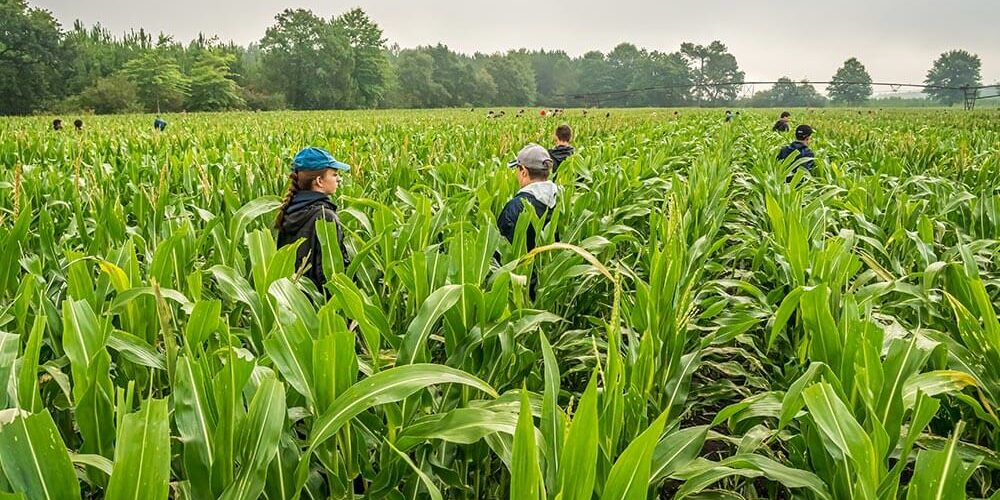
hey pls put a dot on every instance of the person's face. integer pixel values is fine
(328, 182)
(785, 118)
(522, 176)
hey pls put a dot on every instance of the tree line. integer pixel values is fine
(305, 61)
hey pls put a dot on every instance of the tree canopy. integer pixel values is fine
(305, 61)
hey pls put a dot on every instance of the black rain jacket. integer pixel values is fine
(301, 214)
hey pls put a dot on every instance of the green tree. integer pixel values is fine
(212, 84)
(595, 75)
(415, 79)
(371, 66)
(786, 93)
(514, 78)
(111, 94)
(158, 78)
(657, 69)
(554, 76)
(712, 68)
(956, 69)
(308, 60)
(852, 85)
(31, 58)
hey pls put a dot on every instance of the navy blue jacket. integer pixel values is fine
(301, 214)
(802, 151)
(507, 221)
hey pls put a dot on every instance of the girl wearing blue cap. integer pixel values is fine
(315, 176)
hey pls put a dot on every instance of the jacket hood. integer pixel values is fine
(544, 192)
(301, 209)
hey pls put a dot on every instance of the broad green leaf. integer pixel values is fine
(35, 460)
(629, 477)
(525, 473)
(259, 435)
(142, 457)
(578, 463)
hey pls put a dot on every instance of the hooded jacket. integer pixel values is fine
(301, 214)
(559, 155)
(541, 196)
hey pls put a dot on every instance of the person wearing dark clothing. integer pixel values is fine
(562, 149)
(78, 123)
(782, 124)
(57, 124)
(729, 116)
(800, 148)
(533, 165)
(160, 124)
(315, 176)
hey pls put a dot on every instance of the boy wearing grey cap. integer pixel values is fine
(533, 166)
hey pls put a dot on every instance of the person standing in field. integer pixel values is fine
(78, 123)
(57, 124)
(533, 165)
(782, 124)
(562, 149)
(315, 176)
(800, 148)
(160, 124)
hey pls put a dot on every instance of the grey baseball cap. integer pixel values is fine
(532, 157)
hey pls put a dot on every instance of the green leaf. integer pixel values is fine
(432, 489)
(676, 450)
(384, 387)
(259, 435)
(461, 425)
(553, 420)
(142, 457)
(35, 460)
(578, 466)
(28, 397)
(525, 474)
(629, 477)
(941, 474)
(414, 342)
(842, 434)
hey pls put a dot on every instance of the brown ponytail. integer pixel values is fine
(298, 181)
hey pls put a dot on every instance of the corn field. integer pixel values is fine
(702, 328)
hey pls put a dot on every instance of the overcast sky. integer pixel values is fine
(896, 39)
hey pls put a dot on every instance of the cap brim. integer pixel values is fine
(341, 166)
(512, 163)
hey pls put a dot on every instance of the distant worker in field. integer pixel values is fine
(315, 176)
(800, 148)
(729, 116)
(57, 124)
(160, 124)
(782, 124)
(562, 149)
(78, 123)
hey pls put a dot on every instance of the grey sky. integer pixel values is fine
(896, 39)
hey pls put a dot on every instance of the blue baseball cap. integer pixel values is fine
(317, 159)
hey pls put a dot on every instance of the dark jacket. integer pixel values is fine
(559, 154)
(541, 196)
(780, 126)
(301, 214)
(801, 150)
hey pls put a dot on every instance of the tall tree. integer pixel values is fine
(31, 58)
(158, 78)
(852, 85)
(212, 84)
(786, 93)
(371, 71)
(956, 68)
(554, 76)
(713, 68)
(308, 61)
(514, 78)
(668, 71)
(415, 80)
